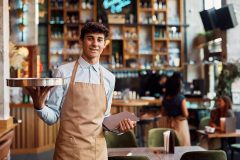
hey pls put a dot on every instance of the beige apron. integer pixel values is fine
(180, 125)
(80, 134)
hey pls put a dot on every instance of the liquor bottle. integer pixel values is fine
(155, 5)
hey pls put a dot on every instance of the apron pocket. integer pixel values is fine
(86, 154)
(65, 148)
(85, 148)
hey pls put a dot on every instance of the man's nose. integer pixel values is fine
(94, 42)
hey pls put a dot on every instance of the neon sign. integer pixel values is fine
(115, 5)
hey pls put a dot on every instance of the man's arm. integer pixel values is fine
(110, 96)
(49, 111)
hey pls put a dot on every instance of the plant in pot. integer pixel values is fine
(229, 73)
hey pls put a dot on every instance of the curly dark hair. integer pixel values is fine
(94, 27)
(173, 84)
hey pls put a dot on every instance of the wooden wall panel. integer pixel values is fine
(32, 135)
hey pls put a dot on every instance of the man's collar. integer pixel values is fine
(85, 64)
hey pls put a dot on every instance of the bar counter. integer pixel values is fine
(32, 135)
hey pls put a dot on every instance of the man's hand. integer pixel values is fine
(38, 95)
(126, 125)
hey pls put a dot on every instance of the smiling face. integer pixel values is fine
(220, 103)
(93, 45)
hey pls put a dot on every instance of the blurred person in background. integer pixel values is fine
(155, 88)
(175, 108)
(156, 85)
(223, 109)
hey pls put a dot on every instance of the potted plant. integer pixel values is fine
(229, 73)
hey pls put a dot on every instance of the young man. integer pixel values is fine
(84, 101)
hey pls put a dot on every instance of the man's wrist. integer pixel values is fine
(38, 107)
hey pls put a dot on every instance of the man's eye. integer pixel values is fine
(89, 38)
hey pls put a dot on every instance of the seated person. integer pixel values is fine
(223, 109)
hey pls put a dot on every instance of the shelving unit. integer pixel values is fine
(147, 34)
(66, 18)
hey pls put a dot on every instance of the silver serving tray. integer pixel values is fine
(34, 82)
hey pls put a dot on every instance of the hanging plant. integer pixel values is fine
(229, 73)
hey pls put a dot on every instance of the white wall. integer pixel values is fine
(233, 35)
(193, 19)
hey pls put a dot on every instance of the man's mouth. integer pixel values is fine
(93, 49)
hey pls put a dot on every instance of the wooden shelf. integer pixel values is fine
(71, 10)
(56, 9)
(161, 53)
(57, 39)
(160, 39)
(145, 9)
(138, 33)
(160, 10)
(175, 39)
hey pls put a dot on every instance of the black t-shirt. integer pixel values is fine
(172, 106)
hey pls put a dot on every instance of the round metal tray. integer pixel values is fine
(34, 82)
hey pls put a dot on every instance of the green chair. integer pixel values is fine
(204, 122)
(155, 137)
(209, 144)
(124, 140)
(234, 147)
(205, 155)
(128, 158)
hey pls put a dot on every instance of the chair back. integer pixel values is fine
(124, 140)
(155, 137)
(205, 155)
(204, 122)
(128, 158)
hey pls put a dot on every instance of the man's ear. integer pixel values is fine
(106, 43)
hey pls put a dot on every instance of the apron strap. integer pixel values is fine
(74, 72)
(101, 75)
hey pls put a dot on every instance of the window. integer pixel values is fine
(212, 3)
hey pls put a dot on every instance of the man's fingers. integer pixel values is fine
(127, 125)
(38, 95)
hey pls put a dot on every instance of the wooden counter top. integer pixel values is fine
(3, 131)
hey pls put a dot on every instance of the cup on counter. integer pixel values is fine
(222, 124)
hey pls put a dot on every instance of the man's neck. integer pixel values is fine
(90, 61)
